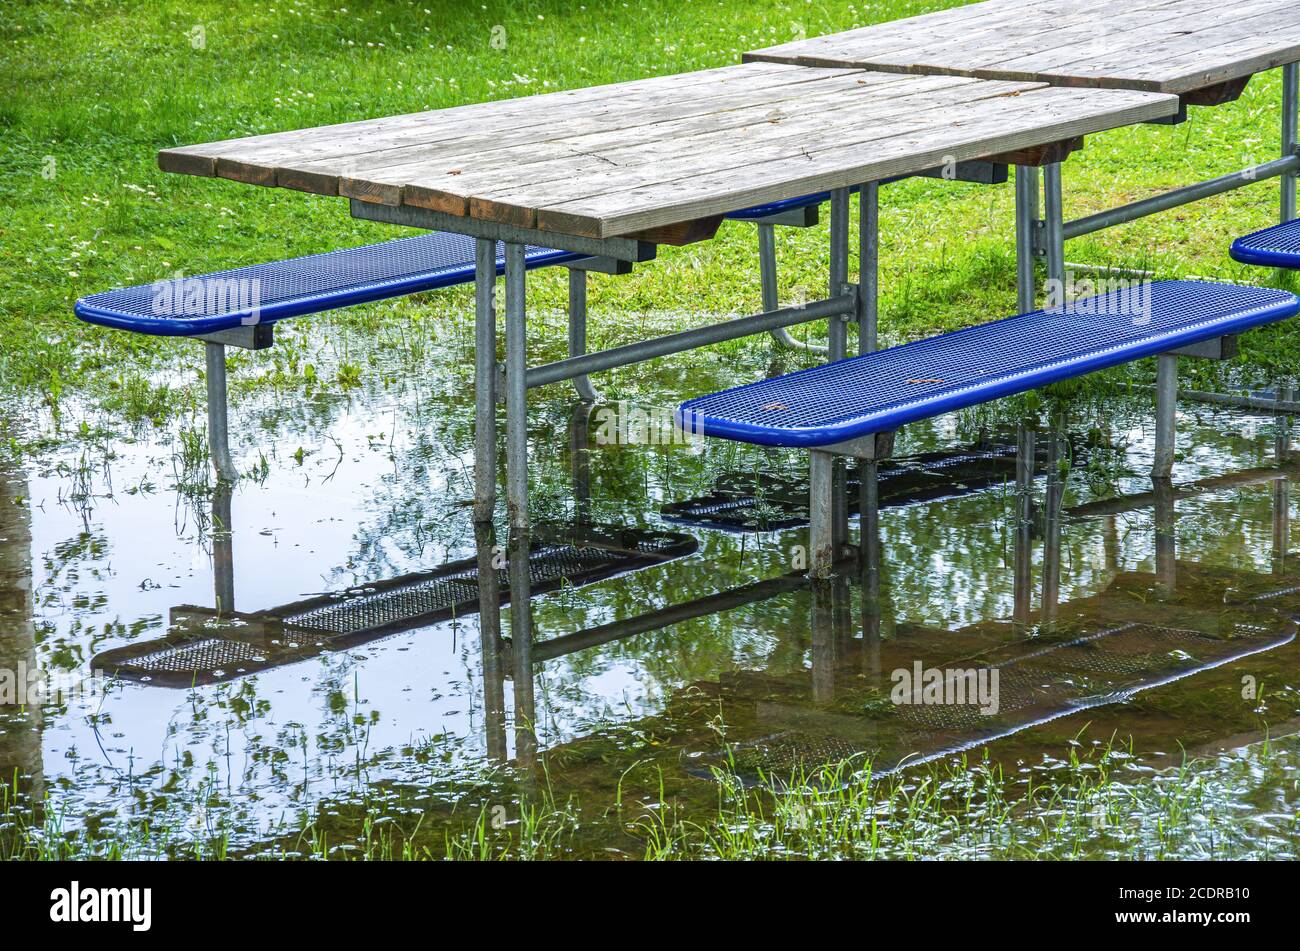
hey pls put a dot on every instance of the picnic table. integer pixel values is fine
(1174, 46)
(613, 171)
(1203, 51)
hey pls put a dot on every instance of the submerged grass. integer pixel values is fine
(89, 92)
(1096, 802)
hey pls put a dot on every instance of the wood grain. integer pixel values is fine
(1171, 46)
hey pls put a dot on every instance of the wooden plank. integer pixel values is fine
(321, 170)
(1057, 114)
(251, 157)
(1158, 45)
(1168, 64)
(379, 176)
(1030, 58)
(250, 145)
(432, 185)
(894, 36)
(510, 197)
(517, 118)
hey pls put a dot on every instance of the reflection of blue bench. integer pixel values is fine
(836, 409)
(1278, 246)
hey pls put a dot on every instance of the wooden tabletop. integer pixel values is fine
(624, 159)
(1172, 46)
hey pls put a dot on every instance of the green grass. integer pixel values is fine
(1089, 803)
(91, 91)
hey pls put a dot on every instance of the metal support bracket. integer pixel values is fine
(1219, 348)
(862, 448)
(625, 249)
(601, 265)
(250, 337)
(806, 217)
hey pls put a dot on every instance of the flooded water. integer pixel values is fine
(307, 648)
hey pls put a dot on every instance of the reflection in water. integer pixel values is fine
(20, 723)
(206, 646)
(1091, 651)
(727, 655)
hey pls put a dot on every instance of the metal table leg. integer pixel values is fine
(516, 390)
(1054, 229)
(578, 330)
(1290, 135)
(767, 282)
(1026, 224)
(839, 269)
(218, 422)
(821, 509)
(485, 380)
(1166, 414)
(869, 574)
(868, 266)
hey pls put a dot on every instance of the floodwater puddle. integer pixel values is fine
(307, 646)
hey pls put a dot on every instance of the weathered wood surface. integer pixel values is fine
(626, 159)
(1171, 46)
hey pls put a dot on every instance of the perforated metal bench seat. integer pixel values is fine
(881, 391)
(297, 286)
(1278, 246)
(320, 282)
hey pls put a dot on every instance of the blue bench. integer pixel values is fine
(836, 409)
(1278, 246)
(321, 282)
(298, 286)
(239, 307)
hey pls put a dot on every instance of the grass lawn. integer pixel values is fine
(91, 91)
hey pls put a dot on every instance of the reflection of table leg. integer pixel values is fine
(1281, 523)
(1166, 537)
(826, 598)
(223, 549)
(869, 524)
(485, 371)
(1024, 523)
(521, 640)
(580, 461)
(1282, 487)
(489, 622)
(1057, 460)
